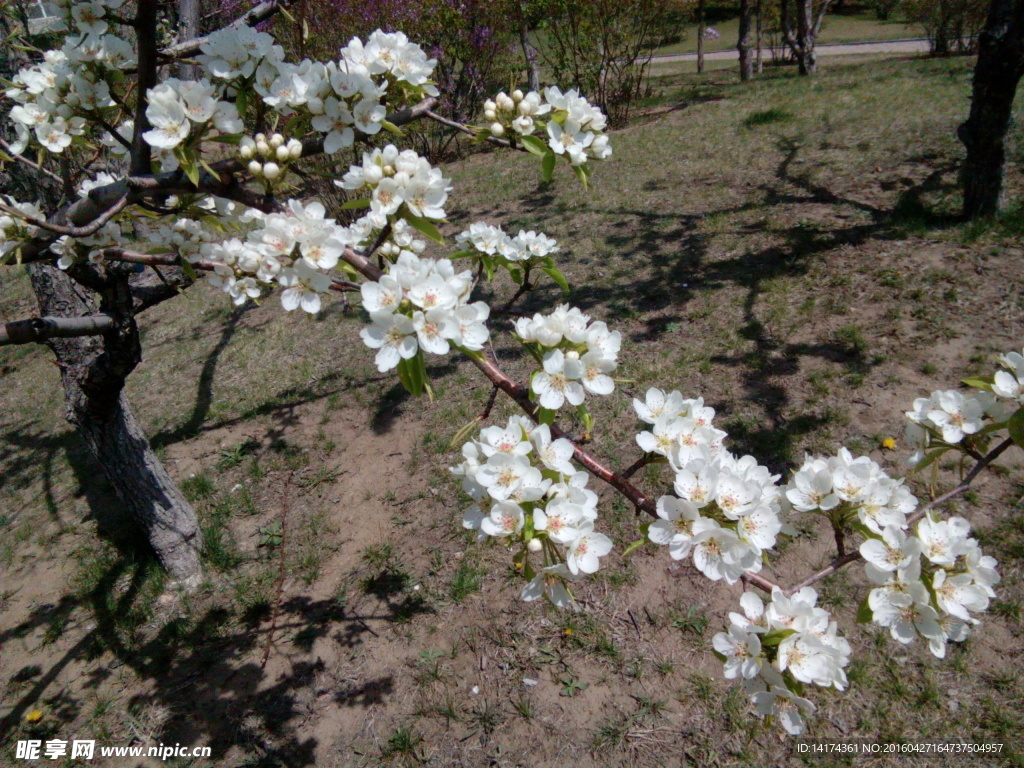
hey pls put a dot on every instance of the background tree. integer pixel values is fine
(800, 26)
(996, 76)
(952, 26)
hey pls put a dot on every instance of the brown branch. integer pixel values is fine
(39, 329)
(29, 163)
(59, 230)
(466, 129)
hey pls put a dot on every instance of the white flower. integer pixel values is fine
(955, 415)
(675, 528)
(789, 708)
(558, 381)
(336, 121)
(742, 651)
(556, 455)
(368, 115)
(905, 622)
(957, 595)
(395, 337)
(506, 519)
(584, 552)
(550, 583)
(719, 554)
(303, 286)
(811, 489)
(433, 329)
(893, 551)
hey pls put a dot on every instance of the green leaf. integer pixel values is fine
(980, 382)
(720, 656)
(583, 174)
(516, 274)
(188, 164)
(351, 204)
(241, 102)
(1016, 427)
(462, 255)
(547, 168)
(776, 636)
(413, 374)
(864, 613)
(425, 227)
(545, 416)
(189, 270)
(391, 128)
(555, 274)
(633, 547)
(534, 145)
(227, 138)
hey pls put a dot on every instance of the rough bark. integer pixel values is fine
(93, 371)
(807, 57)
(759, 37)
(743, 42)
(530, 55)
(188, 29)
(996, 76)
(702, 29)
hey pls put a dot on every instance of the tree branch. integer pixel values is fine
(39, 329)
(145, 33)
(29, 163)
(250, 18)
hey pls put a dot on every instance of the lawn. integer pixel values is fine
(787, 249)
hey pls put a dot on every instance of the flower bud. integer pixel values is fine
(572, 354)
(260, 137)
(490, 105)
(490, 114)
(271, 170)
(497, 129)
(388, 170)
(255, 168)
(283, 153)
(517, 95)
(315, 105)
(373, 175)
(245, 152)
(276, 140)
(262, 147)
(294, 149)
(535, 545)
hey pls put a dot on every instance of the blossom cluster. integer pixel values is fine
(268, 156)
(527, 490)
(290, 249)
(726, 510)
(846, 489)
(422, 303)
(340, 97)
(576, 355)
(950, 419)
(574, 126)
(398, 182)
(14, 229)
(776, 648)
(56, 96)
(487, 240)
(928, 584)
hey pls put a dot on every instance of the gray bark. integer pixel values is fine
(188, 29)
(702, 29)
(530, 55)
(93, 371)
(996, 76)
(743, 43)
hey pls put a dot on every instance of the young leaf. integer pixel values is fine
(980, 382)
(534, 145)
(425, 227)
(355, 204)
(555, 274)
(864, 613)
(582, 172)
(547, 168)
(776, 636)
(391, 128)
(633, 547)
(1016, 427)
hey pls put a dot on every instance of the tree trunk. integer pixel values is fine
(530, 55)
(702, 29)
(807, 57)
(759, 38)
(743, 43)
(188, 29)
(996, 75)
(93, 370)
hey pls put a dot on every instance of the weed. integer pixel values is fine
(766, 117)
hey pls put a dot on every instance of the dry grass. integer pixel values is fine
(785, 249)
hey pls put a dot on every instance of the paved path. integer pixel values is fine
(917, 45)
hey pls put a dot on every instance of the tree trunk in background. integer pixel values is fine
(530, 54)
(188, 28)
(807, 57)
(743, 43)
(93, 371)
(996, 75)
(759, 37)
(702, 29)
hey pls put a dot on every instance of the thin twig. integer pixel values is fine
(25, 161)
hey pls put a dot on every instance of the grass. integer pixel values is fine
(786, 249)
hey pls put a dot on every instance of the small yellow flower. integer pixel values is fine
(568, 631)
(889, 444)
(34, 716)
